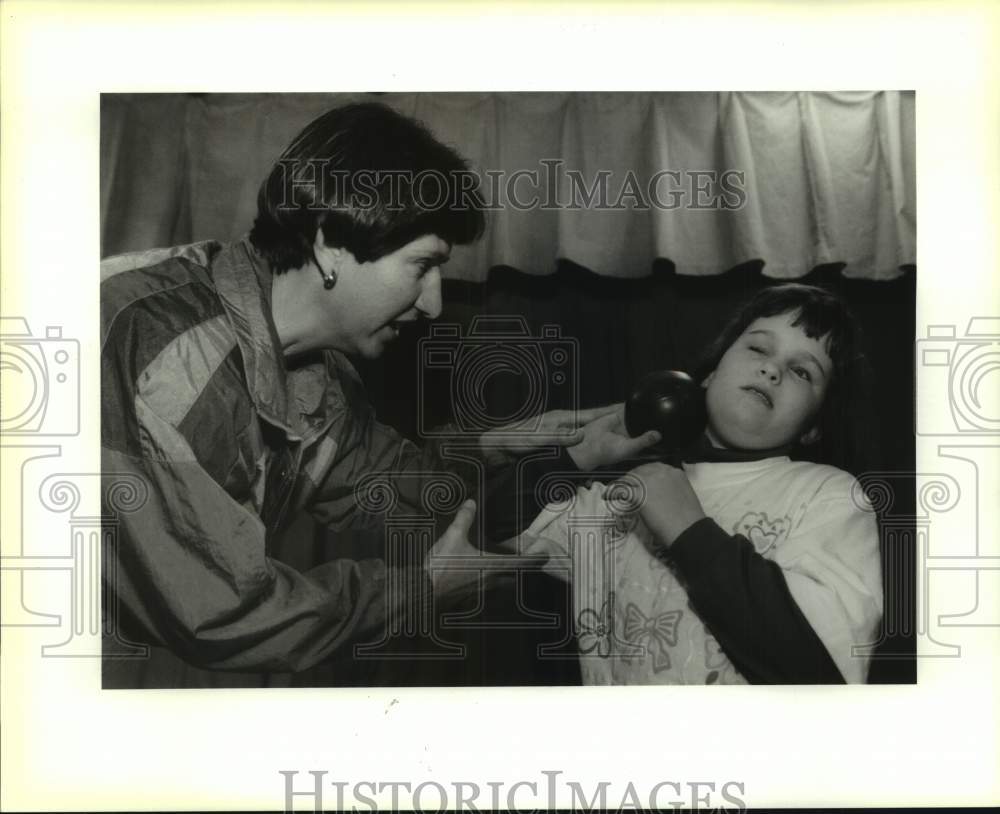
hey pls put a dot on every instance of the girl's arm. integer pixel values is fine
(744, 601)
(793, 619)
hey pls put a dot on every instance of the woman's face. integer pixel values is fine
(768, 386)
(371, 300)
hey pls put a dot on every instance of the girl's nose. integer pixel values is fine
(770, 372)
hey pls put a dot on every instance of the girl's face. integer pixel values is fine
(768, 386)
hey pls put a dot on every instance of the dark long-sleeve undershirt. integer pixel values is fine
(744, 601)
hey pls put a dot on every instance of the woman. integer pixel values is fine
(228, 401)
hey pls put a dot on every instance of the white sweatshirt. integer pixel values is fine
(634, 623)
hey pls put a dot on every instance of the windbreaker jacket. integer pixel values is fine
(218, 443)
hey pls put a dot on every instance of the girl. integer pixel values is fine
(749, 564)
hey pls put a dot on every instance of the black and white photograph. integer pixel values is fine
(494, 389)
(499, 406)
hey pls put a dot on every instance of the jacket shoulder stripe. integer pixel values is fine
(161, 283)
(172, 382)
(198, 253)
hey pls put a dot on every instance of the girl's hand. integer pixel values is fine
(669, 505)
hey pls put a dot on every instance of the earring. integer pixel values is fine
(329, 277)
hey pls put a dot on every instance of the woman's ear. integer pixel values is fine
(328, 257)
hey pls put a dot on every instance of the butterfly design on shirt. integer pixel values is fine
(761, 531)
(595, 631)
(656, 633)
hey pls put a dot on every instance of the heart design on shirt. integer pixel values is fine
(762, 532)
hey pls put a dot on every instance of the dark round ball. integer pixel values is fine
(672, 403)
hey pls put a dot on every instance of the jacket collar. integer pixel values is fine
(243, 281)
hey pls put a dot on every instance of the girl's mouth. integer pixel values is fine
(761, 395)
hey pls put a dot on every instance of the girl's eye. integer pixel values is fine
(756, 349)
(802, 373)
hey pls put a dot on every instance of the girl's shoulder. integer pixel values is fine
(777, 481)
(769, 470)
(821, 484)
(820, 478)
(819, 473)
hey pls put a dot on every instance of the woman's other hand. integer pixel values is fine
(455, 565)
(668, 504)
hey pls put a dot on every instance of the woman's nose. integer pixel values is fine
(429, 301)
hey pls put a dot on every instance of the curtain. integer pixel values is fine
(708, 181)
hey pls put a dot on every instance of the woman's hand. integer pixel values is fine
(594, 437)
(455, 565)
(563, 428)
(669, 505)
(606, 441)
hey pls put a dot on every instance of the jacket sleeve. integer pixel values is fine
(188, 564)
(377, 471)
(190, 567)
(808, 615)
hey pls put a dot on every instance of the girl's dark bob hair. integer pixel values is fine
(373, 180)
(844, 420)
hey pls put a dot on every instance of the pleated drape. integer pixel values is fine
(826, 177)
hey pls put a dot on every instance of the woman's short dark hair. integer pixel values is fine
(844, 421)
(373, 180)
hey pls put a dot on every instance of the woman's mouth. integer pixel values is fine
(399, 326)
(764, 397)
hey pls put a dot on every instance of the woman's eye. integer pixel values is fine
(756, 349)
